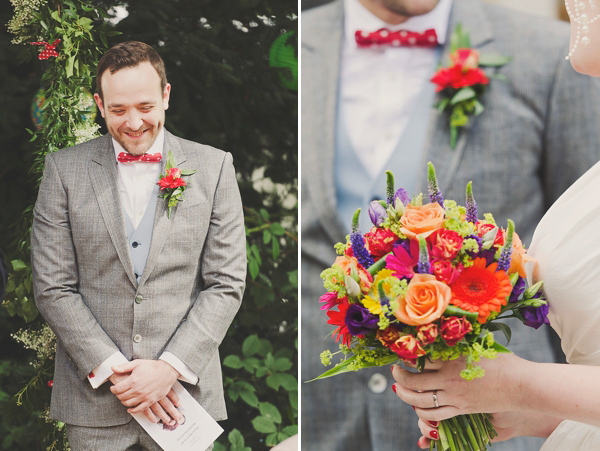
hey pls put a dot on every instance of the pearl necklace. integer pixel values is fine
(583, 21)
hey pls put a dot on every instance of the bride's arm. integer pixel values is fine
(510, 384)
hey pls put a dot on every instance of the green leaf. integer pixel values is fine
(293, 398)
(253, 268)
(43, 24)
(264, 213)
(251, 345)
(290, 430)
(233, 361)
(265, 347)
(271, 439)
(494, 60)
(56, 16)
(274, 381)
(499, 348)
(236, 438)
(261, 371)
(264, 424)
(188, 172)
(266, 236)
(275, 243)
(269, 410)
(251, 364)
(277, 229)
(346, 366)
(503, 327)
(69, 66)
(249, 397)
(465, 93)
(282, 364)
(441, 106)
(18, 265)
(288, 381)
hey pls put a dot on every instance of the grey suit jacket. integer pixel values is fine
(85, 285)
(537, 135)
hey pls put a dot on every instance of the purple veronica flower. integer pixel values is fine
(535, 316)
(479, 243)
(329, 300)
(359, 250)
(517, 291)
(377, 213)
(402, 195)
(359, 320)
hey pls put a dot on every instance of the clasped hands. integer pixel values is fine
(147, 386)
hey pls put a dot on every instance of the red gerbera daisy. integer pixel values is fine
(481, 289)
(338, 318)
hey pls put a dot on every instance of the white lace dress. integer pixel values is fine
(566, 244)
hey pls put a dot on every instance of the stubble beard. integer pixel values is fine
(409, 8)
(133, 149)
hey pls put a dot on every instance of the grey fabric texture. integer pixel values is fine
(85, 286)
(537, 135)
(123, 437)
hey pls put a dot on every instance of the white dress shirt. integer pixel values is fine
(136, 181)
(379, 86)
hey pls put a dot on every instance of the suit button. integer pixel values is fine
(137, 338)
(138, 299)
(134, 244)
(377, 383)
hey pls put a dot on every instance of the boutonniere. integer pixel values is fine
(172, 184)
(463, 82)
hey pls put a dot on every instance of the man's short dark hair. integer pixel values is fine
(130, 54)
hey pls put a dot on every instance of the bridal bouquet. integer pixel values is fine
(428, 281)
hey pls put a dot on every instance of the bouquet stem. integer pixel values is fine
(472, 432)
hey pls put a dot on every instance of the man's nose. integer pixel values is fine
(134, 121)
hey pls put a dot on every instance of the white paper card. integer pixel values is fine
(197, 433)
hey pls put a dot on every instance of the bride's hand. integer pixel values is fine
(455, 395)
(507, 425)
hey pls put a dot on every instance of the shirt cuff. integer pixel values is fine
(187, 375)
(102, 372)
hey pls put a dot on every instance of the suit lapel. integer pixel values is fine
(162, 224)
(446, 160)
(323, 47)
(104, 177)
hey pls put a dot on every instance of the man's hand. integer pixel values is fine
(149, 381)
(164, 410)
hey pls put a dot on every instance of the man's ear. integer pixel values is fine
(98, 100)
(166, 96)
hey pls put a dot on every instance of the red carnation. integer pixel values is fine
(456, 78)
(170, 182)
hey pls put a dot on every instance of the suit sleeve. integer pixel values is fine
(56, 279)
(571, 135)
(223, 271)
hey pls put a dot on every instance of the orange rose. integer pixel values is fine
(519, 257)
(425, 300)
(347, 263)
(422, 220)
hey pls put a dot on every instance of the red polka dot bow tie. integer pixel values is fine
(49, 49)
(398, 38)
(125, 157)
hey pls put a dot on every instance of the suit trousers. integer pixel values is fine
(124, 437)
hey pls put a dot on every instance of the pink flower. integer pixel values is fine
(380, 241)
(402, 262)
(454, 328)
(174, 172)
(445, 244)
(445, 272)
(483, 228)
(427, 333)
(465, 59)
(329, 300)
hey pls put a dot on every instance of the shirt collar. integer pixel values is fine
(157, 147)
(357, 17)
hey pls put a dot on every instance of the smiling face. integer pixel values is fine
(133, 106)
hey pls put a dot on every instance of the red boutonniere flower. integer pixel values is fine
(172, 184)
(462, 83)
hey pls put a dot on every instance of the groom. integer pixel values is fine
(137, 299)
(369, 109)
